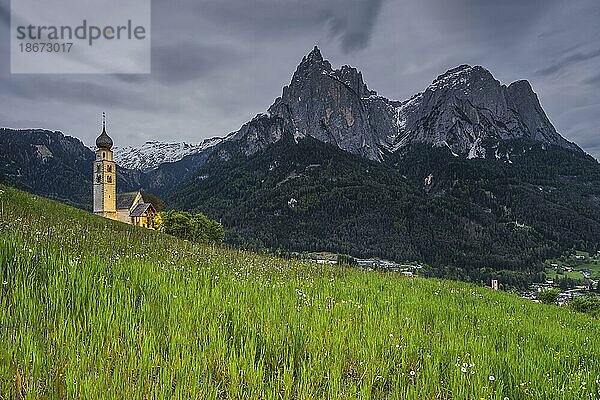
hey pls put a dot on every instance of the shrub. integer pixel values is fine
(589, 304)
(549, 296)
(196, 228)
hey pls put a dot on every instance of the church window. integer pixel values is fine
(109, 179)
(109, 168)
(103, 155)
(99, 168)
(98, 179)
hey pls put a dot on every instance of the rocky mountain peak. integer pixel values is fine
(464, 109)
(464, 77)
(312, 62)
(314, 56)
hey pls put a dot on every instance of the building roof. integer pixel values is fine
(125, 200)
(140, 209)
(104, 141)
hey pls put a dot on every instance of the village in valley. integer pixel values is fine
(572, 275)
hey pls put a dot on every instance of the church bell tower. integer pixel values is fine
(105, 176)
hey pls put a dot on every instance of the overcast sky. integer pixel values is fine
(217, 63)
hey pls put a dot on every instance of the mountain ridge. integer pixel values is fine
(461, 108)
(153, 153)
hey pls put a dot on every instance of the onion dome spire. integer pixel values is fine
(104, 141)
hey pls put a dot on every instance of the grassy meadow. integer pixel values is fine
(91, 308)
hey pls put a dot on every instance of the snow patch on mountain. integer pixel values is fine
(476, 150)
(153, 153)
(458, 76)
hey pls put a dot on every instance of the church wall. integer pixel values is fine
(110, 187)
(98, 198)
(110, 215)
(123, 216)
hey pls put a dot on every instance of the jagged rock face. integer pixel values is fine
(465, 109)
(525, 102)
(328, 105)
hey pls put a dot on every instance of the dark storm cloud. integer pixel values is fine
(44, 88)
(593, 80)
(181, 62)
(353, 21)
(568, 61)
(4, 13)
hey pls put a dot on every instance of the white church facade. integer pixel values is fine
(130, 207)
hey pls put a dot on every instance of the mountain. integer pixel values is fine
(468, 176)
(46, 163)
(152, 154)
(465, 109)
(54, 165)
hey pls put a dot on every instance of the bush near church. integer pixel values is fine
(196, 228)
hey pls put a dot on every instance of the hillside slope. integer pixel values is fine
(470, 219)
(90, 307)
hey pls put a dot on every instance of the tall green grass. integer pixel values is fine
(90, 308)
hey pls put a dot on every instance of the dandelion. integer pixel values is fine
(463, 370)
(492, 378)
(412, 373)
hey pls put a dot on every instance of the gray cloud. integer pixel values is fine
(46, 88)
(593, 80)
(180, 62)
(4, 13)
(353, 22)
(568, 61)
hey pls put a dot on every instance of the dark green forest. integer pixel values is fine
(474, 220)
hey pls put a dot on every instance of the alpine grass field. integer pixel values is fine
(92, 308)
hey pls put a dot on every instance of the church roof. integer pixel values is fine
(140, 209)
(104, 141)
(125, 200)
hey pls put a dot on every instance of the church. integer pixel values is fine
(129, 208)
